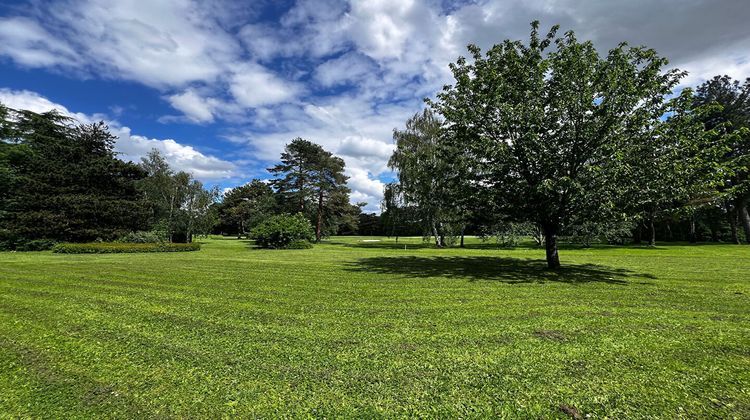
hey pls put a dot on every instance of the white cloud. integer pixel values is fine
(180, 157)
(30, 45)
(131, 147)
(195, 107)
(350, 67)
(253, 86)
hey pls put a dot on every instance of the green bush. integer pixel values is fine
(142, 238)
(36, 245)
(284, 232)
(119, 247)
(300, 245)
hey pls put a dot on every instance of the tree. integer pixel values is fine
(245, 206)
(544, 128)
(309, 177)
(62, 181)
(423, 173)
(178, 204)
(673, 164)
(294, 174)
(733, 113)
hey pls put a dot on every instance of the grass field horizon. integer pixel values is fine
(369, 329)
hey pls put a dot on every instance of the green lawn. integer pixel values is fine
(369, 329)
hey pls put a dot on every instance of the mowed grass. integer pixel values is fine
(370, 329)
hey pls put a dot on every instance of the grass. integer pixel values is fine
(370, 329)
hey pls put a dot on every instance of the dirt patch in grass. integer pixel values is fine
(571, 411)
(552, 335)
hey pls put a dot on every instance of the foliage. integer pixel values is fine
(544, 128)
(311, 180)
(61, 181)
(178, 204)
(282, 231)
(243, 207)
(120, 247)
(732, 114)
(142, 237)
(507, 234)
(422, 173)
(33, 245)
(608, 232)
(666, 339)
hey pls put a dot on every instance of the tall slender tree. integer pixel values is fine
(423, 172)
(311, 180)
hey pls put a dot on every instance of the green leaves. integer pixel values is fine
(540, 128)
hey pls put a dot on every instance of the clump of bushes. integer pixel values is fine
(27, 245)
(120, 247)
(284, 231)
(143, 238)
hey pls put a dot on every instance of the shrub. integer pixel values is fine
(284, 231)
(300, 245)
(142, 238)
(35, 245)
(119, 247)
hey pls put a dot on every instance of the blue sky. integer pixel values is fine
(221, 86)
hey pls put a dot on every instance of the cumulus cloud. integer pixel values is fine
(129, 146)
(253, 86)
(195, 107)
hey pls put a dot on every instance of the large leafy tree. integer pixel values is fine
(62, 181)
(544, 124)
(673, 164)
(179, 205)
(733, 114)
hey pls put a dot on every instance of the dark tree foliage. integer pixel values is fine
(63, 182)
(733, 113)
(245, 206)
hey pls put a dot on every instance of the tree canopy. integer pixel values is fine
(546, 124)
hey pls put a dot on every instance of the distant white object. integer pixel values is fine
(370, 240)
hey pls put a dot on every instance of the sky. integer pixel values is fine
(220, 86)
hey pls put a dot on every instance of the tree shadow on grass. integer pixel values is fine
(507, 270)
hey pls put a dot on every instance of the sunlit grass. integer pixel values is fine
(353, 328)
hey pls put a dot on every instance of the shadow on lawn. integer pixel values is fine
(507, 270)
(489, 245)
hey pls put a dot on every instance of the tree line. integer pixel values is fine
(549, 138)
(61, 181)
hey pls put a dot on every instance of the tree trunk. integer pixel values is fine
(463, 228)
(745, 217)
(637, 234)
(691, 236)
(652, 230)
(319, 224)
(550, 244)
(438, 242)
(732, 216)
(242, 229)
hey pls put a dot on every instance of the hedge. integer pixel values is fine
(116, 248)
